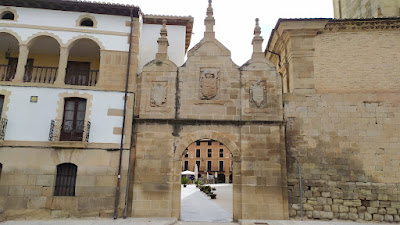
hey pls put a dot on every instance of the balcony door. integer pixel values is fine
(74, 119)
(77, 73)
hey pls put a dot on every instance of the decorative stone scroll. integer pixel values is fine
(209, 82)
(158, 96)
(258, 95)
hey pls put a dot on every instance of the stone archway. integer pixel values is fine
(210, 97)
(230, 142)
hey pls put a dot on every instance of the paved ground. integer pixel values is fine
(197, 206)
(146, 221)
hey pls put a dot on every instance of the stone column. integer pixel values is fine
(22, 59)
(62, 66)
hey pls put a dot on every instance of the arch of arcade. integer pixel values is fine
(210, 97)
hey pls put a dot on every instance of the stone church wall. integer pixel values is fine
(345, 133)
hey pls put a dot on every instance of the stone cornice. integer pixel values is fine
(362, 25)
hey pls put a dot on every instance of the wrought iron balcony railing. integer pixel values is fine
(81, 77)
(3, 126)
(59, 132)
(40, 74)
(7, 73)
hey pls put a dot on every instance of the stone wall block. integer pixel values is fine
(378, 217)
(389, 218)
(372, 210)
(391, 211)
(382, 211)
(326, 215)
(343, 216)
(353, 216)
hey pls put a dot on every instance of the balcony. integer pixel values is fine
(3, 126)
(81, 77)
(39, 74)
(45, 60)
(65, 136)
(7, 72)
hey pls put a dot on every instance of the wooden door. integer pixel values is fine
(77, 73)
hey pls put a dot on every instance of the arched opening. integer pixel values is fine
(65, 180)
(208, 195)
(86, 22)
(83, 63)
(43, 60)
(9, 53)
(7, 15)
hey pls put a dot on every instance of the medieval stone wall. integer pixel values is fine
(345, 132)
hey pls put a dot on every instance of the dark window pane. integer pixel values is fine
(221, 152)
(87, 23)
(65, 180)
(197, 153)
(209, 153)
(1, 168)
(209, 142)
(8, 16)
(209, 165)
(186, 165)
(221, 165)
(197, 143)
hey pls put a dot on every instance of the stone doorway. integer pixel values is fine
(209, 198)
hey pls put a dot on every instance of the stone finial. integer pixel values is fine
(257, 41)
(209, 21)
(163, 42)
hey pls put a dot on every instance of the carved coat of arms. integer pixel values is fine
(209, 83)
(257, 94)
(158, 94)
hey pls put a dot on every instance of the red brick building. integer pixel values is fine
(210, 156)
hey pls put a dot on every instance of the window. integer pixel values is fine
(209, 163)
(221, 166)
(1, 168)
(74, 119)
(221, 143)
(197, 153)
(198, 165)
(187, 155)
(209, 153)
(186, 167)
(1, 104)
(65, 180)
(86, 22)
(221, 153)
(209, 142)
(7, 15)
(197, 143)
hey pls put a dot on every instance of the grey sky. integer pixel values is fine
(235, 19)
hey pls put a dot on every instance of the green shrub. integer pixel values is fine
(185, 180)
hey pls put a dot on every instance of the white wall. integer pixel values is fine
(31, 121)
(149, 46)
(63, 19)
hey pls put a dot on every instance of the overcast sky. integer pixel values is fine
(235, 19)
